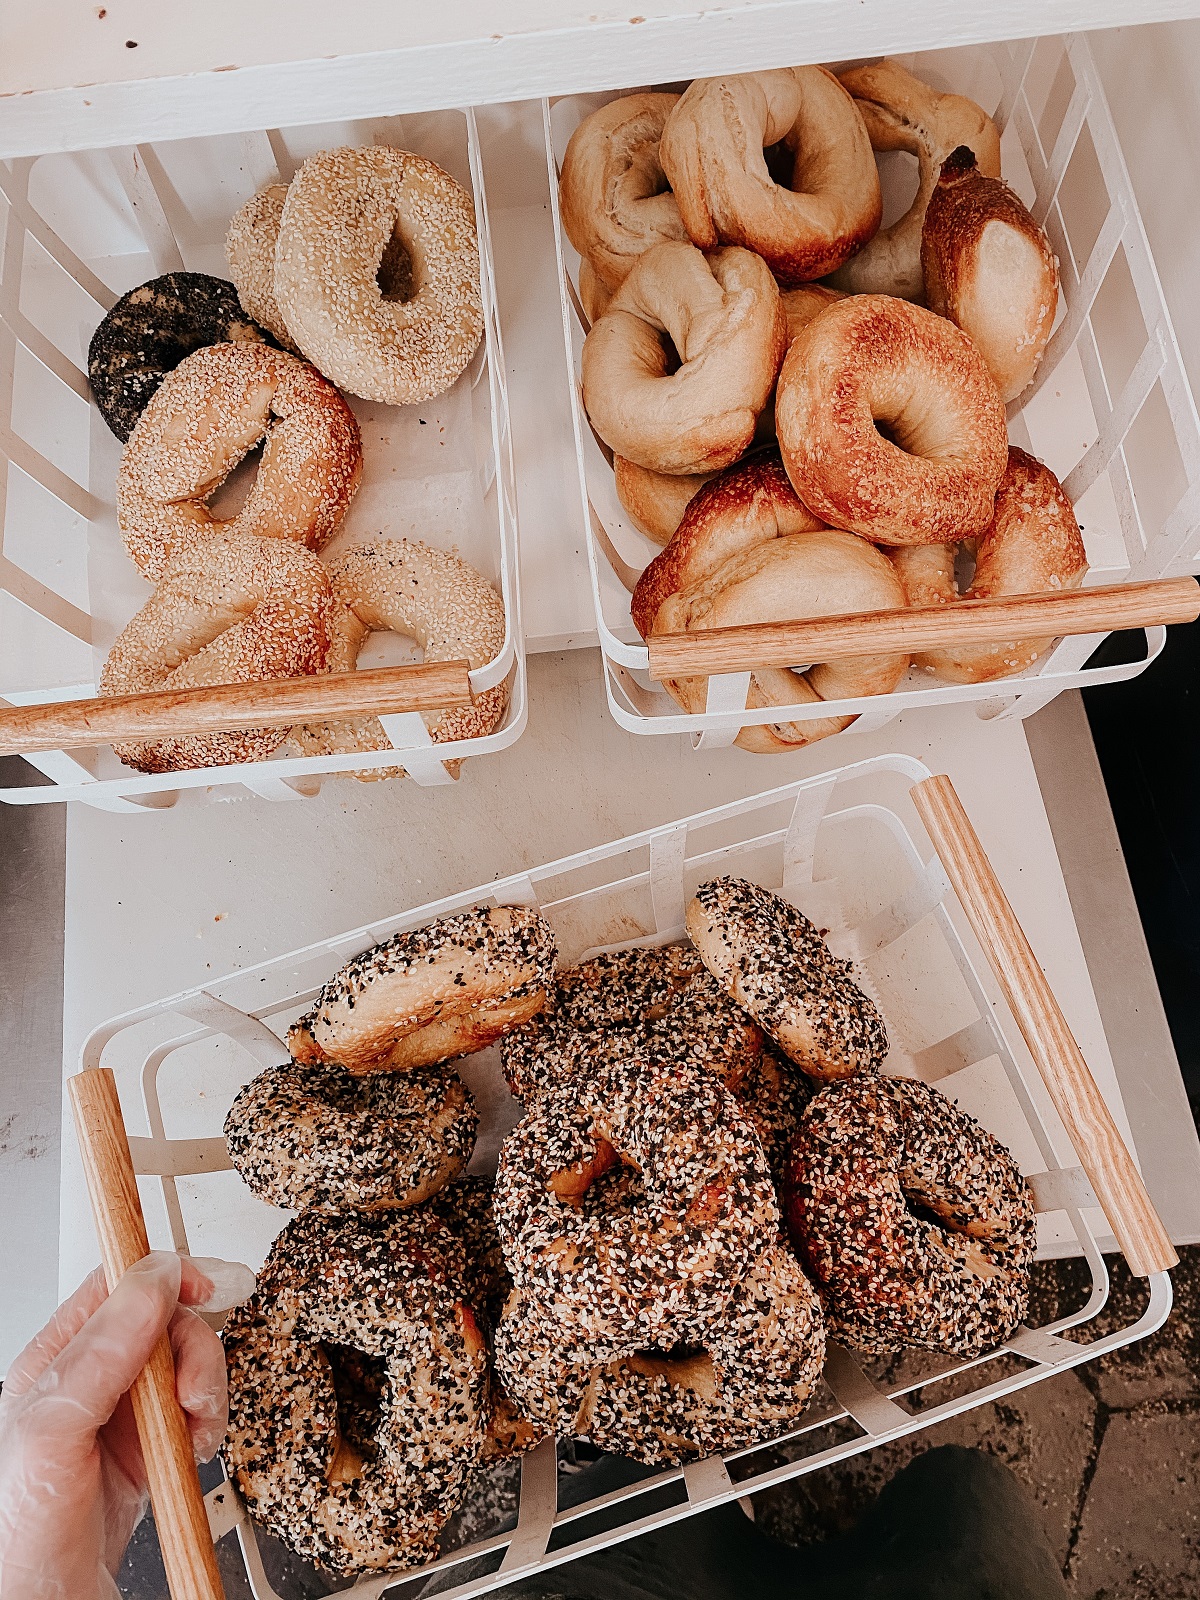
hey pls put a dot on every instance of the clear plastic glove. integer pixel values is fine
(72, 1481)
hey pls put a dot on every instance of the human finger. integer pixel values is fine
(200, 1381)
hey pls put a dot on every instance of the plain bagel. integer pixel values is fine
(655, 501)
(612, 192)
(215, 407)
(723, 317)
(989, 267)
(377, 272)
(1032, 544)
(902, 113)
(228, 610)
(870, 370)
(712, 153)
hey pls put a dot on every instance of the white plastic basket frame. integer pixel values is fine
(159, 212)
(1117, 385)
(651, 873)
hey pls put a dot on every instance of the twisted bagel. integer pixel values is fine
(205, 416)
(871, 363)
(250, 252)
(612, 191)
(722, 313)
(1032, 544)
(377, 272)
(902, 113)
(229, 610)
(913, 1221)
(450, 610)
(989, 267)
(712, 153)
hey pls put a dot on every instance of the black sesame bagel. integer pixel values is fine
(913, 1221)
(149, 332)
(660, 1003)
(357, 1389)
(316, 1137)
(774, 962)
(431, 994)
(665, 1261)
(747, 1377)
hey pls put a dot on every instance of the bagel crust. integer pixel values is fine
(250, 252)
(902, 113)
(228, 610)
(712, 152)
(874, 359)
(655, 501)
(353, 216)
(613, 193)
(450, 610)
(989, 267)
(723, 315)
(1032, 544)
(205, 416)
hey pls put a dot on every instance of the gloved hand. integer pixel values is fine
(72, 1481)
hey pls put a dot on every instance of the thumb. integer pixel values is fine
(90, 1375)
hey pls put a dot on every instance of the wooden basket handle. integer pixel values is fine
(219, 707)
(179, 1516)
(1089, 1123)
(1054, 614)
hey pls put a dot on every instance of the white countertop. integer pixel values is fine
(77, 75)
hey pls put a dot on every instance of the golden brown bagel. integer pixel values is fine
(902, 113)
(229, 609)
(873, 359)
(743, 506)
(1032, 544)
(712, 153)
(989, 268)
(802, 305)
(612, 192)
(655, 501)
(594, 293)
(722, 314)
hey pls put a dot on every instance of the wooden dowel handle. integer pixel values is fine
(218, 707)
(179, 1516)
(1089, 1123)
(1104, 609)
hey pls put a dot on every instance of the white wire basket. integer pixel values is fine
(842, 847)
(1110, 411)
(79, 231)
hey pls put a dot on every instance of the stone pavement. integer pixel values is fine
(1110, 1453)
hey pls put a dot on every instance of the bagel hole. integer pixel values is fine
(964, 565)
(780, 161)
(396, 276)
(228, 498)
(885, 431)
(361, 1386)
(685, 1365)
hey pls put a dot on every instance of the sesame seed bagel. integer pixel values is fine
(712, 152)
(654, 1271)
(357, 1389)
(747, 1377)
(902, 113)
(215, 407)
(913, 1221)
(377, 272)
(991, 269)
(149, 332)
(659, 1003)
(1032, 544)
(612, 193)
(770, 958)
(720, 314)
(317, 1138)
(403, 586)
(870, 370)
(436, 992)
(230, 609)
(250, 252)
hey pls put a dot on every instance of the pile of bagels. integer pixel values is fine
(711, 1174)
(805, 409)
(359, 278)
